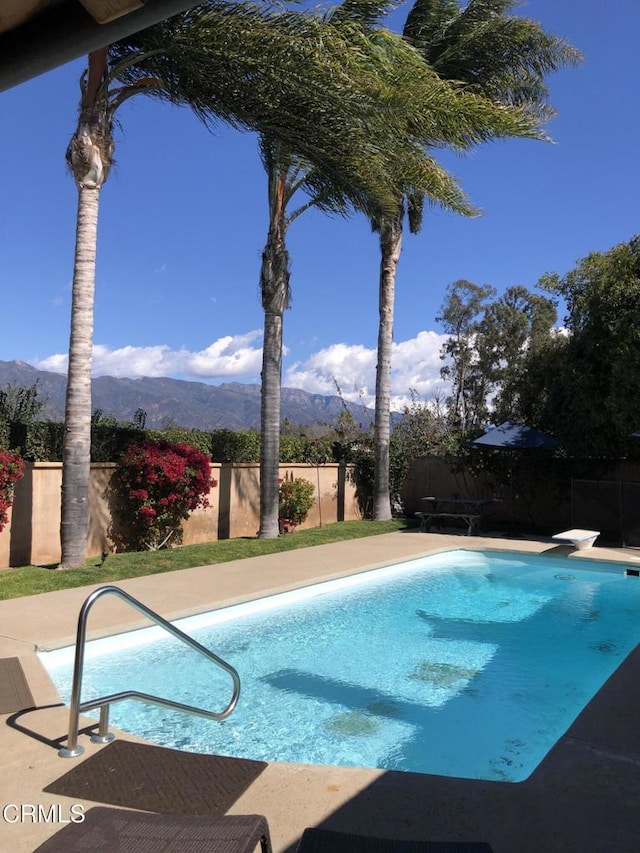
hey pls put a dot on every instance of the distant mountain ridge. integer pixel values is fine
(195, 405)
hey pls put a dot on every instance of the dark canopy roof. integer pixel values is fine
(38, 35)
(511, 436)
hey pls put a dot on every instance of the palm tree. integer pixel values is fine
(90, 157)
(500, 57)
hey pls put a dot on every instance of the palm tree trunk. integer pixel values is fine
(270, 425)
(76, 451)
(274, 286)
(89, 155)
(390, 247)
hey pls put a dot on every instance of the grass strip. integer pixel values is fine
(31, 580)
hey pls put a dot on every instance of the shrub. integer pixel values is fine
(11, 470)
(296, 499)
(360, 458)
(157, 485)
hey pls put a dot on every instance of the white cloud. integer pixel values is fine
(233, 355)
(350, 365)
(228, 356)
(56, 363)
(415, 364)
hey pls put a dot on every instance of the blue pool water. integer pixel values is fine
(468, 664)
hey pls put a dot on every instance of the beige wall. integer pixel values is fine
(33, 537)
(202, 524)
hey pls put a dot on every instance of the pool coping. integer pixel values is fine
(583, 796)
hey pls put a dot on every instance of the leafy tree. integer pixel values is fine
(461, 316)
(367, 140)
(584, 386)
(500, 57)
(490, 343)
(305, 85)
(18, 405)
(514, 326)
(424, 429)
(543, 398)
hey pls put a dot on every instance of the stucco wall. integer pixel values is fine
(33, 537)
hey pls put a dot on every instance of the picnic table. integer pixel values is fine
(437, 508)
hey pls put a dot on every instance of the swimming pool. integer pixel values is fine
(468, 664)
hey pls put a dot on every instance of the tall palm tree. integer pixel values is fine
(500, 57)
(90, 157)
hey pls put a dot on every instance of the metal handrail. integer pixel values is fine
(72, 748)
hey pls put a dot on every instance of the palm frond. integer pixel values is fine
(506, 57)
(355, 107)
(367, 13)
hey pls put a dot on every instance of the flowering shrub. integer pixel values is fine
(296, 499)
(159, 484)
(11, 470)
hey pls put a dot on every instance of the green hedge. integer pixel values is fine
(41, 441)
(228, 445)
(109, 442)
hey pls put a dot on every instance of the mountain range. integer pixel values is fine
(195, 405)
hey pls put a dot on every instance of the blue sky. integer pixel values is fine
(183, 221)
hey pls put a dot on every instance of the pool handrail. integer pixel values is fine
(73, 749)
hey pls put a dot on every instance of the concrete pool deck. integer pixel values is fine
(584, 796)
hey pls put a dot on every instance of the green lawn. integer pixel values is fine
(30, 580)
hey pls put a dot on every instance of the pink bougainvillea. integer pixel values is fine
(158, 485)
(11, 470)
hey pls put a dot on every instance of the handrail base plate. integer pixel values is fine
(102, 738)
(74, 752)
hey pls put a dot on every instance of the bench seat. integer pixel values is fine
(470, 519)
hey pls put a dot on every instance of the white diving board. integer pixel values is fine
(580, 539)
